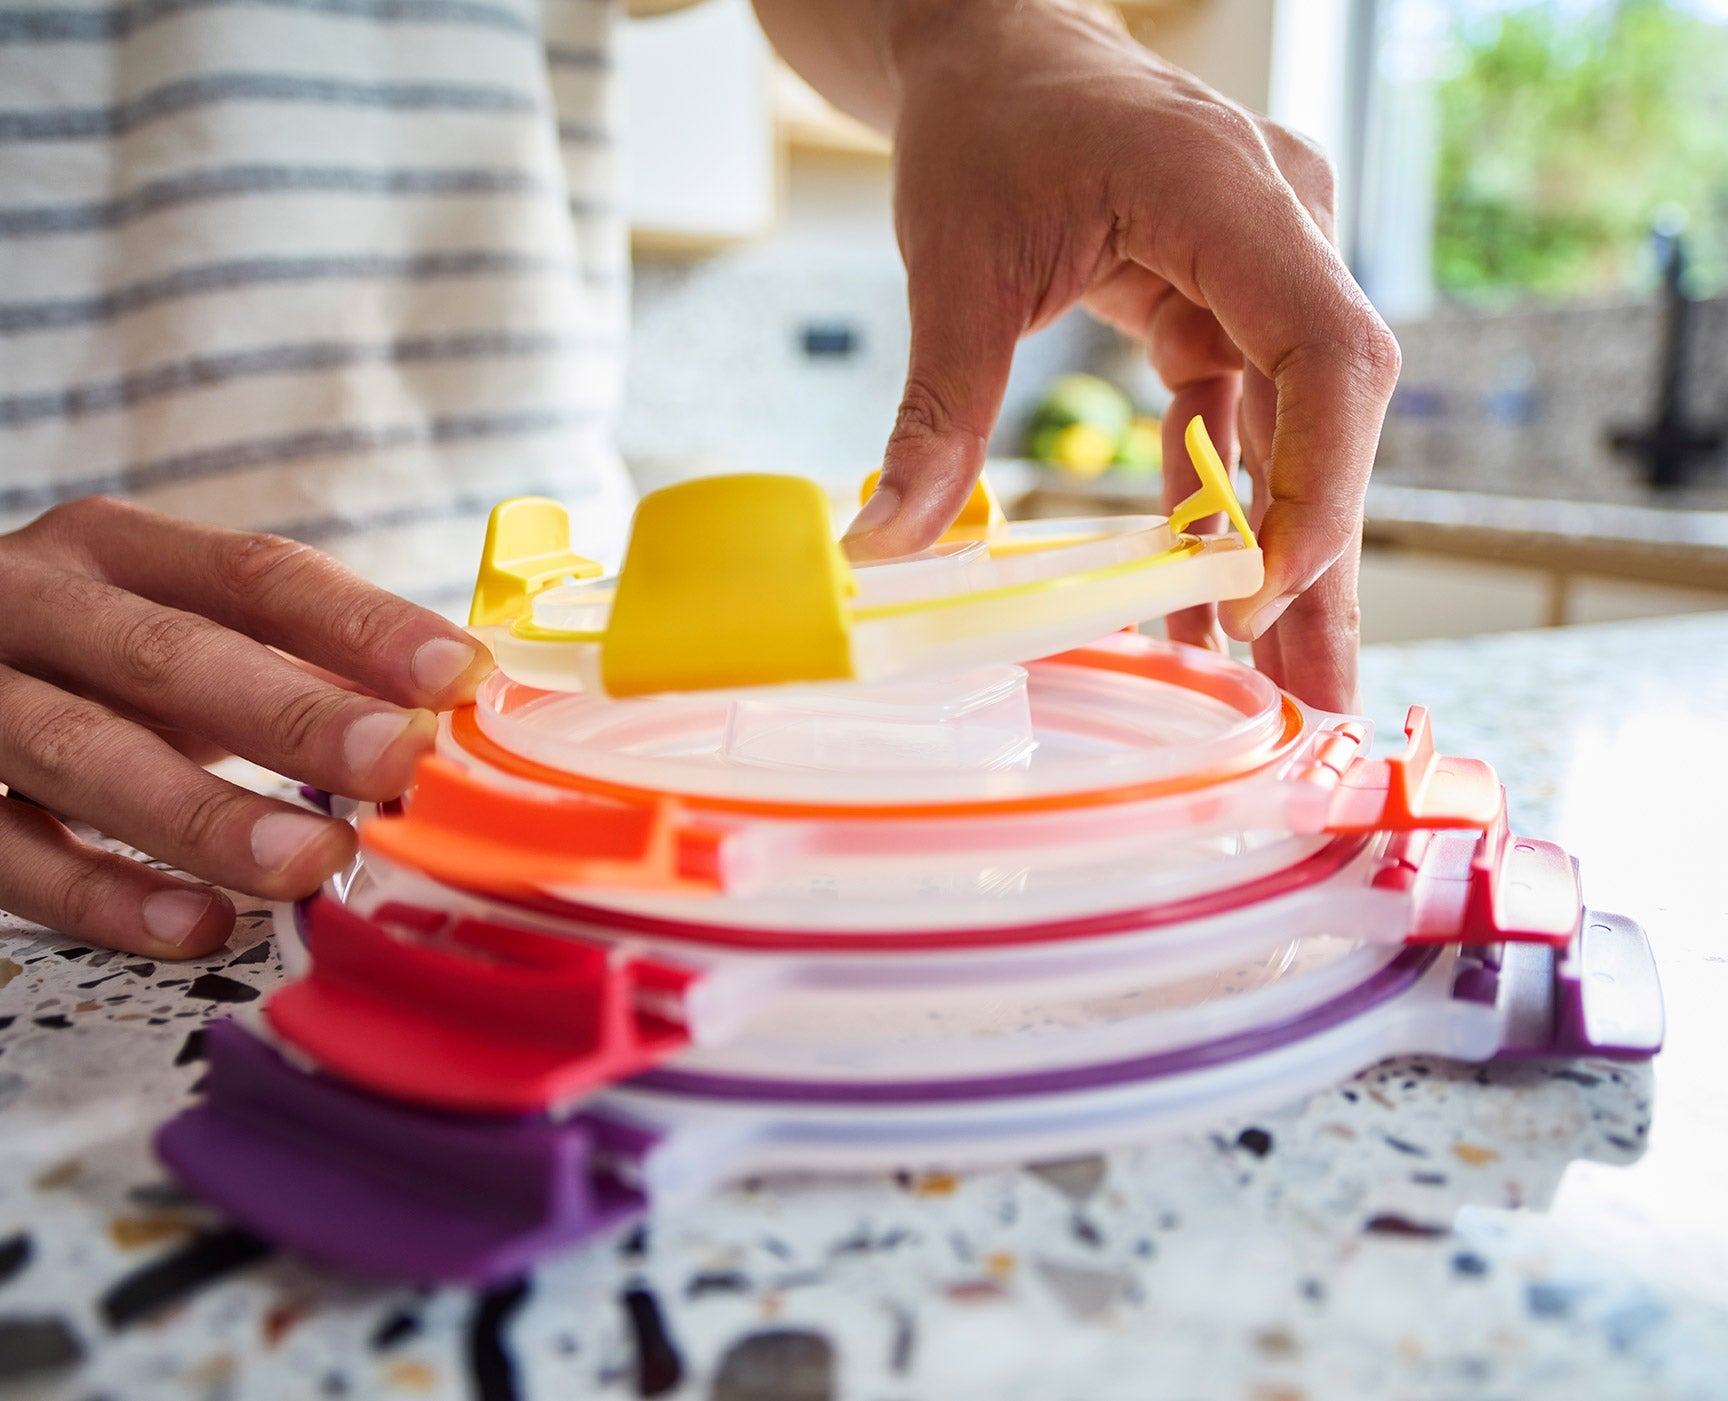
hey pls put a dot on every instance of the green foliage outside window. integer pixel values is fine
(1565, 129)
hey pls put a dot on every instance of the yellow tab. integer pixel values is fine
(729, 581)
(527, 549)
(980, 512)
(1215, 494)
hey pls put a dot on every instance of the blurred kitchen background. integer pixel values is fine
(1534, 192)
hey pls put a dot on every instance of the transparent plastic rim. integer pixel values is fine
(1123, 714)
(1017, 554)
(705, 924)
(1376, 981)
(996, 1031)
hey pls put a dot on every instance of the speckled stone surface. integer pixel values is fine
(1424, 1231)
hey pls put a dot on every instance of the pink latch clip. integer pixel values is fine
(1416, 790)
(470, 1015)
(1491, 888)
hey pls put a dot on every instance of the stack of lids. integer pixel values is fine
(749, 861)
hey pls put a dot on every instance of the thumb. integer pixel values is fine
(963, 338)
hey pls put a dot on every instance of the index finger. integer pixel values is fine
(278, 592)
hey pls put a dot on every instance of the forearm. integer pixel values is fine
(853, 51)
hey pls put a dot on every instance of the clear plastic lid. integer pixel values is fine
(823, 897)
(915, 1034)
(909, 1014)
(1123, 712)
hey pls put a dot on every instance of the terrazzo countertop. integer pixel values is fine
(1655, 540)
(1425, 1231)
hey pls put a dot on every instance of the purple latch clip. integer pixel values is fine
(1600, 996)
(391, 1191)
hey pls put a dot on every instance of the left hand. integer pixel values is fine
(1044, 158)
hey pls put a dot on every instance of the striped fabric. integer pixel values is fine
(349, 270)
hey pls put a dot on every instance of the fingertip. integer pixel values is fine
(1268, 615)
(381, 750)
(1236, 617)
(296, 852)
(316, 864)
(1197, 627)
(874, 531)
(878, 511)
(185, 922)
(447, 671)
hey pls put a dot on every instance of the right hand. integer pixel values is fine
(1044, 158)
(133, 646)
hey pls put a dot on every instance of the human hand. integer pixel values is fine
(1044, 158)
(132, 646)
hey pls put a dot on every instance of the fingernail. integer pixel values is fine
(884, 502)
(369, 738)
(1215, 641)
(1271, 613)
(279, 837)
(170, 916)
(440, 663)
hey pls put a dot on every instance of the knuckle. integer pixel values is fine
(203, 818)
(83, 511)
(71, 522)
(1363, 344)
(1305, 164)
(366, 626)
(300, 723)
(1374, 349)
(29, 585)
(75, 898)
(1222, 120)
(65, 736)
(927, 412)
(1339, 618)
(159, 649)
(252, 564)
(921, 414)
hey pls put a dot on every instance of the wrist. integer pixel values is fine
(955, 37)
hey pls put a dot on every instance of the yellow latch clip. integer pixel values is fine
(1215, 493)
(527, 549)
(730, 581)
(981, 511)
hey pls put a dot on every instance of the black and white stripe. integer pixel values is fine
(189, 94)
(252, 454)
(243, 181)
(99, 25)
(208, 279)
(204, 372)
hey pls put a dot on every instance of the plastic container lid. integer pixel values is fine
(737, 582)
(1122, 713)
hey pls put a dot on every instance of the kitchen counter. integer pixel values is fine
(1426, 1230)
(1649, 543)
